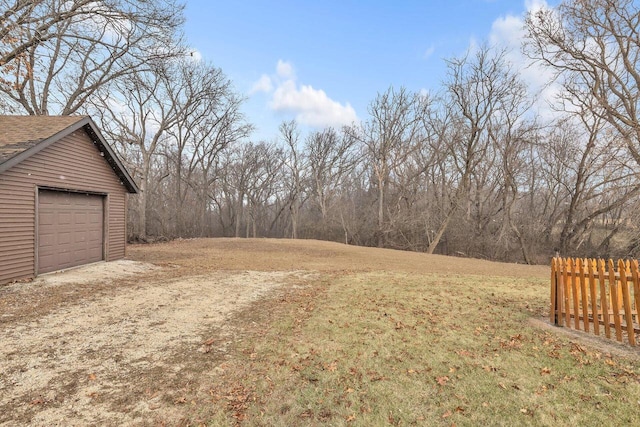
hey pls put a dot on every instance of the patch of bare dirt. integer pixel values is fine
(82, 363)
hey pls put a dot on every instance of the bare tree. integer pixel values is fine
(475, 88)
(331, 158)
(296, 165)
(208, 121)
(594, 47)
(391, 134)
(135, 116)
(55, 54)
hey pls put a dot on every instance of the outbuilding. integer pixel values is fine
(63, 196)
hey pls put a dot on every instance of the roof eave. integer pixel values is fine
(110, 155)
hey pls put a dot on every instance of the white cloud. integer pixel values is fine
(263, 84)
(285, 70)
(310, 106)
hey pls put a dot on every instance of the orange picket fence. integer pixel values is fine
(589, 294)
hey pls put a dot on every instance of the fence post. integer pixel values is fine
(566, 290)
(636, 287)
(553, 309)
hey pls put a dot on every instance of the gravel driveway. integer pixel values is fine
(86, 346)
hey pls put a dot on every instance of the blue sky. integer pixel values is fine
(323, 62)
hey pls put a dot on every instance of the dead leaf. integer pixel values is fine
(210, 341)
(545, 371)
(442, 380)
(447, 414)
(92, 377)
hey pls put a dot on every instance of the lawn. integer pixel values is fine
(259, 332)
(387, 344)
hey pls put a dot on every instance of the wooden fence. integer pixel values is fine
(591, 294)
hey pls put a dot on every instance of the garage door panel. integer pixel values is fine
(70, 230)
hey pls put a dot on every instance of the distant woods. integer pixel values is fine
(467, 170)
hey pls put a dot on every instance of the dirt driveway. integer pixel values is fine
(93, 346)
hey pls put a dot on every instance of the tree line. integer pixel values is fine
(467, 170)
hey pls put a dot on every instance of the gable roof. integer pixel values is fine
(23, 136)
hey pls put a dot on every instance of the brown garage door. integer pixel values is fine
(70, 229)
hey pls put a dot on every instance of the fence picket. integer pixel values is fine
(574, 294)
(566, 286)
(603, 299)
(583, 294)
(613, 287)
(636, 288)
(626, 301)
(594, 301)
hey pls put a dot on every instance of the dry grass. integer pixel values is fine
(404, 349)
(371, 337)
(199, 255)
(392, 338)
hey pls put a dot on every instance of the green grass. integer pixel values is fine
(372, 349)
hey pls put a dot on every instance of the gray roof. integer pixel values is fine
(23, 136)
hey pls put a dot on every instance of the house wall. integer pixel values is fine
(72, 163)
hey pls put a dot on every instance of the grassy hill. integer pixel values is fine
(383, 337)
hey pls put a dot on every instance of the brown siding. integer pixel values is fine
(73, 163)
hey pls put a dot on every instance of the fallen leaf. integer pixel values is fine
(92, 377)
(210, 341)
(545, 371)
(447, 414)
(442, 380)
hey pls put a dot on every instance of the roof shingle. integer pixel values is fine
(19, 133)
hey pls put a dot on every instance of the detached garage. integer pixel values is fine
(63, 194)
